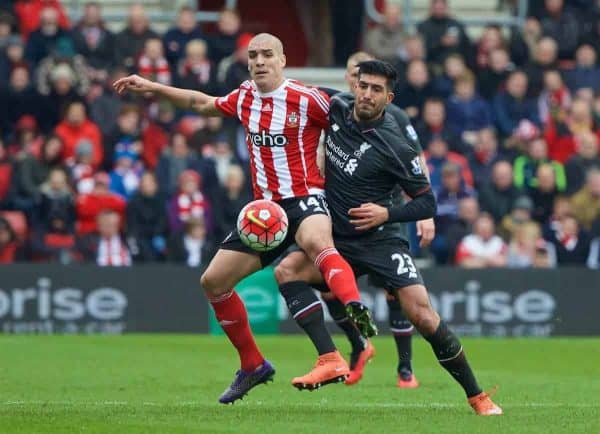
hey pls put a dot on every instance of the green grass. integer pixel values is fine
(170, 384)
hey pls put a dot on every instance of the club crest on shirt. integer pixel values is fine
(292, 120)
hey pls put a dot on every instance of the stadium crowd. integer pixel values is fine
(510, 125)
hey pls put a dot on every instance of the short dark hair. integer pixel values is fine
(381, 68)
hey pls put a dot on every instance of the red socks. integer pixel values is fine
(231, 314)
(338, 275)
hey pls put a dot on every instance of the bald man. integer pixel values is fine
(283, 120)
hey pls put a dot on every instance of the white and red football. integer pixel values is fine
(262, 225)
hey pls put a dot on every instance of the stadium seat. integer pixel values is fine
(18, 221)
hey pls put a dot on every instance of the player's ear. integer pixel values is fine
(282, 59)
(390, 97)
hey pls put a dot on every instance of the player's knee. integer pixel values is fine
(285, 272)
(210, 283)
(426, 321)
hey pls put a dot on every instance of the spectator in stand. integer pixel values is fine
(196, 71)
(586, 202)
(527, 248)
(453, 190)
(235, 195)
(413, 49)
(30, 14)
(454, 68)
(544, 58)
(443, 34)
(561, 208)
(591, 30)
(95, 42)
(223, 42)
(176, 38)
(523, 41)
(499, 195)
(434, 124)
(43, 41)
(156, 134)
(586, 73)
(27, 138)
(412, 95)
(485, 154)
(81, 168)
(11, 56)
(544, 193)
(191, 247)
(384, 41)
(555, 98)
(21, 98)
(586, 158)
(147, 221)
(562, 25)
(467, 112)
(76, 127)
(126, 135)
(6, 174)
(525, 167)
(176, 159)
(106, 247)
(512, 106)
(152, 63)
(493, 77)
(53, 226)
(10, 248)
(104, 104)
(437, 155)
(482, 248)
(233, 70)
(89, 205)
(61, 85)
(490, 40)
(7, 23)
(130, 42)
(189, 202)
(127, 172)
(519, 215)
(31, 172)
(561, 130)
(468, 212)
(571, 243)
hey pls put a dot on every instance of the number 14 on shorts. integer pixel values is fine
(405, 265)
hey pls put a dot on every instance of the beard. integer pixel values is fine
(365, 112)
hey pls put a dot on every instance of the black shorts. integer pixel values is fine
(386, 260)
(297, 209)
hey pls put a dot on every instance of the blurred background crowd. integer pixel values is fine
(509, 121)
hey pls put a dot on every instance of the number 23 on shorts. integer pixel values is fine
(405, 265)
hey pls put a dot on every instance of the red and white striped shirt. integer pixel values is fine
(283, 128)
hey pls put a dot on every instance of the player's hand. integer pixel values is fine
(134, 83)
(368, 216)
(426, 230)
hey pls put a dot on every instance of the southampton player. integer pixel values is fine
(401, 328)
(283, 121)
(366, 158)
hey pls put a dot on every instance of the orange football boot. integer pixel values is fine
(330, 368)
(483, 405)
(408, 383)
(364, 357)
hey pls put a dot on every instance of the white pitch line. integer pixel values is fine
(299, 404)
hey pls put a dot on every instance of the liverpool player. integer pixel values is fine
(366, 158)
(283, 121)
(402, 330)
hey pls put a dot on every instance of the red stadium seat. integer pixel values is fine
(18, 222)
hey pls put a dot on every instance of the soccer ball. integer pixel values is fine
(262, 225)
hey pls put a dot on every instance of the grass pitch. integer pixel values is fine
(170, 384)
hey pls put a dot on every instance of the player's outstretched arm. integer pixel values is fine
(184, 98)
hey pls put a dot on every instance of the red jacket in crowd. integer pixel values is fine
(28, 14)
(72, 134)
(90, 205)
